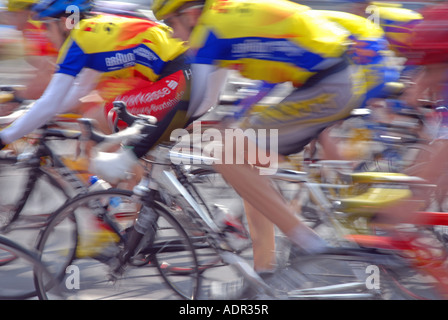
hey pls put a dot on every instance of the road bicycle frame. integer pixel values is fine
(43, 160)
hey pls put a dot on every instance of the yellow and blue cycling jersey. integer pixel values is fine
(367, 40)
(264, 40)
(119, 46)
(368, 48)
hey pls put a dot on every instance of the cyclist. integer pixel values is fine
(133, 59)
(40, 52)
(427, 47)
(273, 41)
(118, 56)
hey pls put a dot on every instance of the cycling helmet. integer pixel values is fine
(18, 5)
(429, 38)
(161, 8)
(56, 8)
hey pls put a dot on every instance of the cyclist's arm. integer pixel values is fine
(207, 84)
(62, 95)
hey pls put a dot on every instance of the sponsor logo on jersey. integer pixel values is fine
(257, 47)
(143, 98)
(121, 59)
(145, 53)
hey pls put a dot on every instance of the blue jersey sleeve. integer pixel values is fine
(72, 59)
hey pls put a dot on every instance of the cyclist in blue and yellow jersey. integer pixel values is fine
(276, 42)
(116, 56)
(130, 59)
(370, 50)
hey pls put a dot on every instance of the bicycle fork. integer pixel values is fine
(145, 222)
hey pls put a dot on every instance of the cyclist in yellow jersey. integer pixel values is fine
(135, 60)
(370, 49)
(40, 52)
(119, 57)
(274, 41)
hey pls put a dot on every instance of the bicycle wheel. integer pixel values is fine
(175, 255)
(17, 274)
(81, 257)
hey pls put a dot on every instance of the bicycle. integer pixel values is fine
(349, 222)
(349, 214)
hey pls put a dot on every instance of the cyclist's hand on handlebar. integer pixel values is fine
(113, 167)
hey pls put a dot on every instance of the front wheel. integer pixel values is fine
(81, 256)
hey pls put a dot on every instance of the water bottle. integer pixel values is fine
(97, 184)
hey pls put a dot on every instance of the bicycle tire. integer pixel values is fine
(15, 272)
(175, 269)
(65, 226)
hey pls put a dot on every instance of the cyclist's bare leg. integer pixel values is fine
(263, 239)
(264, 198)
